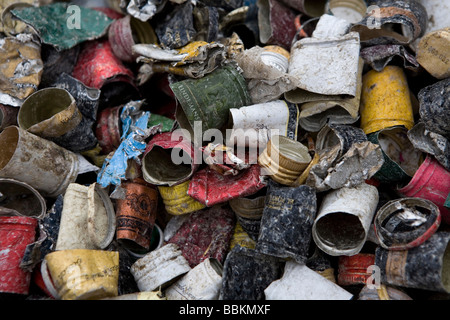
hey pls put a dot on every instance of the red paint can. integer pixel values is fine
(108, 129)
(97, 65)
(431, 182)
(352, 270)
(15, 234)
(136, 215)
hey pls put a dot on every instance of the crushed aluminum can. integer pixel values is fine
(20, 199)
(15, 234)
(295, 207)
(431, 182)
(176, 159)
(353, 270)
(49, 167)
(107, 129)
(9, 25)
(88, 219)
(299, 282)
(177, 201)
(203, 282)
(423, 267)
(410, 16)
(225, 188)
(378, 57)
(401, 159)
(276, 23)
(343, 135)
(158, 268)
(247, 273)
(52, 23)
(205, 234)
(21, 68)
(342, 223)
(385, 100)
(143, 9)
(406, 223)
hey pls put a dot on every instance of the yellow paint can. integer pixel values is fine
(177, 201)
(385, 100)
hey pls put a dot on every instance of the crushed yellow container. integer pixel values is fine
(177, 201)
(385, 100)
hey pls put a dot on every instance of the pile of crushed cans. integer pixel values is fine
(225, 150)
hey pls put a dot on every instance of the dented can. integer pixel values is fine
(353, 270)
(246, 266)
(201, 283)
(301, 283)
(248, 207)
(73, 274)
(88, 219)
(108, 130)
(42, 164)
(158, 268)
(423, 267)
(177, 201)
(284, 159)
(287, 206)
(385, 100)
(406, 223)
(342, 135)
(136, 215)
(431, 182)
(343, 221)
(16, 233)
(21, 199)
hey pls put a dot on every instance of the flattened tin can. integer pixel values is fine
(42, 164)
(385, 100)
(177, 201)
(343, 221)
(136, 215)
(247, 273)
(423, 267)
(287, 206)
(406, 223)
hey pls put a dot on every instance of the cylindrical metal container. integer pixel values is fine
(177, 201)
(385, 100)
(301, 283)
(108, 130)
(405, 223)
(136, 215)
(276, 23)
(15, 234)
(88, 219)
(8, 116)
(210, 98)
(352, 11)
(352, 270)
(432, 182)
(74, 274)
(168, 160)
(343, 220)
(287, 206)
(201, 283)
(49, 113)
(401, 159)
(246, 273)
(284, 159)
(159, 268)
(42, 164)
(423, 267)
(21, 198)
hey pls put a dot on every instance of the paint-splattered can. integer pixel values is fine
(246, 266)
(287, 206)
(423, 267)
(209, 99)
(353, 270)
(406, 223)
(385, 100)
(21, 199)
(158, 268)
(15, 234)
(42, 164)
(432, 182)
(136, 215)
(343, 221)
(177, 201)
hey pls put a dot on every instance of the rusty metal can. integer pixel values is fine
(136, 215)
